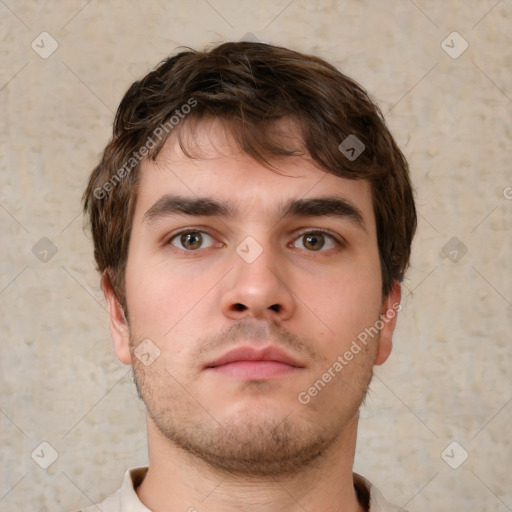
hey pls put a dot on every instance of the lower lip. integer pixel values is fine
(254, 369)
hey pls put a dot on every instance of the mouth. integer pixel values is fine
(251, 363)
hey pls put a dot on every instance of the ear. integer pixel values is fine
(388, 316)
(119, 328)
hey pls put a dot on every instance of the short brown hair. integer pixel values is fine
(251, 86)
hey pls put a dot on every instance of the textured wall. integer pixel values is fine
(448, 379)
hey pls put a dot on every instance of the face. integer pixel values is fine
(244, 288)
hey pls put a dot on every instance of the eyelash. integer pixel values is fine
(339, 242)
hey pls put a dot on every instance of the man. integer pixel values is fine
(252, 220)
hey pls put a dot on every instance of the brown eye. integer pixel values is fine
(191, 240)
(316, 241)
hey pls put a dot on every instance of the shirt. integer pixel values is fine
(126, 499)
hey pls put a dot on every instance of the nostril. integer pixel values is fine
(242, 307)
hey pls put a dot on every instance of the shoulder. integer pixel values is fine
(371, 498)
(110, 504)
(124, 498)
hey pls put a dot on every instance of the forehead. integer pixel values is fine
(215, 167)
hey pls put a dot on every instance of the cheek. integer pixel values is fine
(343, 299)
(161, 299)
(150, 296)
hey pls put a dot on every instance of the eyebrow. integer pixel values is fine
(331, 206)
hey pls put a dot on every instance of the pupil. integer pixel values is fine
(191, 240)
(314, 242)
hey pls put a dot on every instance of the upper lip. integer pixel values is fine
(248, 353)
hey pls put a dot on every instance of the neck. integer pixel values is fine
(177, 480)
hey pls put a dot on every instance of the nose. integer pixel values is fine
(257, 288)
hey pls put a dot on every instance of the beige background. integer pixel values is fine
(448, 378)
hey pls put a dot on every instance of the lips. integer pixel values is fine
(254, 364)
(251, 354)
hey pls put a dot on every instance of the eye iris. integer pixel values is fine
(191, 240)
(314, 242)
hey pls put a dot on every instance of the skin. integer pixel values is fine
(241, 442)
